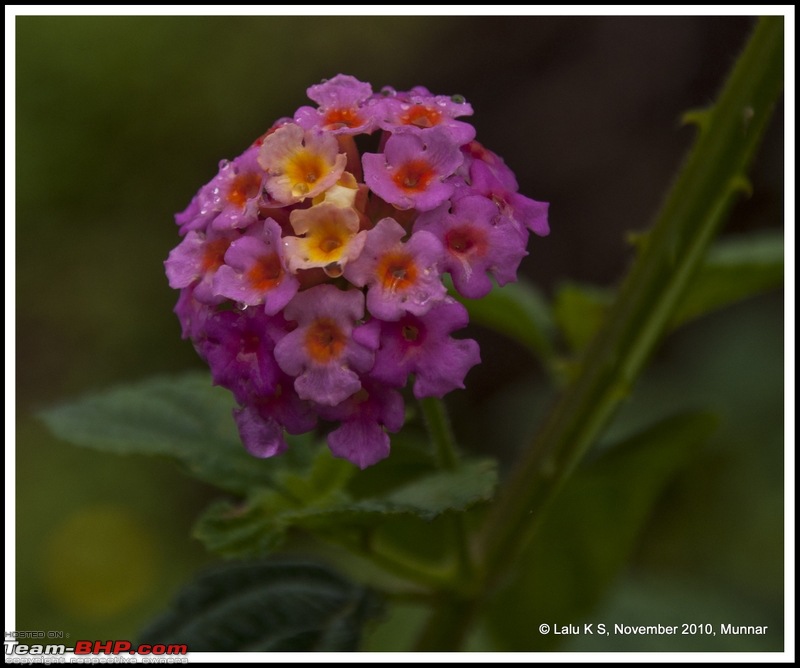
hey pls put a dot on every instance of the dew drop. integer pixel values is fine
(458, 99)
(299, 190)
(334, 270)
(388, 91)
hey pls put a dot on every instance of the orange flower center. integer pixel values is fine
(421, 116)
(304, 170)
(243, 188)
(414, 175)
(342, 118)
(397, 271)
(325, 340)
(214, 255)
(266, 273)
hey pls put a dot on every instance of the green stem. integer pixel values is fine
(669, 256)
(412, 572)
(692, 215)
(441, 432)
(445, 625)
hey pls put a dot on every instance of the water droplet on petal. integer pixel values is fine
(458, 99)
(388, 91)
(334, 270)
(299, 190)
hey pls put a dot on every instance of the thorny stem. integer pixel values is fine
(669, 255)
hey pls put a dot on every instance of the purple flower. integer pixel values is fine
(261, 434)
(263, 420)
(422, 346)
(238, 347)
(231, 199)
(491, 178)
(192, 315)
(190, 218)
(421, 111)
(196, 260)
(255, 271)
(402, 277)
(320, 353)
(477, 241)
(411, 172)
(341, 107)
(365, 416)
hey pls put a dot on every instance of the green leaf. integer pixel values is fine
(183, 417)
(251, 528)
(282, 606)
(590, 530)
(426, 498)
(520, 312)
(319, 485)
(579, 311)
(735, 268)
(259, 525)
(434, 494)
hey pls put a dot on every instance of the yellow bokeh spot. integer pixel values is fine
(99, 561)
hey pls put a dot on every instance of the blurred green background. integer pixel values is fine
(120, 120)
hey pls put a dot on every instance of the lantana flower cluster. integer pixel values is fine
(310, 268)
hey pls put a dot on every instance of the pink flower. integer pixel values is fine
(402, 277)
(320, 354)
(411, 172)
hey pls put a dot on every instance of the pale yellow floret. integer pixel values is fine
(300, 164)
(331, 238)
